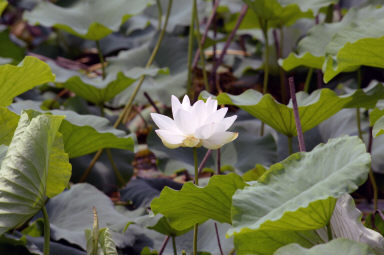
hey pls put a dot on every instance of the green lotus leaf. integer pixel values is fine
(313, 109)
(64, 226)
(8, 124)
(14, 53)
(276, 12)
(162, 226)
(60, 170)
(160, 87)
(378, 128)
(280, 13)
(285, 12)
(82, 134)
(192, 204)
(3, 5)
(344, 46)
(266, 242)
(89, 19)
(336, 246)
(26, 169)
(300, 192)
(98, 90)
(375, 115)
(15, 80)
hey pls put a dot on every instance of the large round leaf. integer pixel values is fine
(313, 109)
(278, 12)
(192, 204)
(300, 192)
(70, 214)
(344, 46)
(98, 90)
(337, 246)
(89, 19)
(82, 134)
(15, 80)
(266, 242)
(26, 169)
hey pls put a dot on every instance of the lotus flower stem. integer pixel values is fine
(160, 14)
(209, 23)
(128, 107)
(47, 231)
(218, 161)
(198, 37)
(196, 226)
(195, 231)
(296, 114)
(165, 242)
(243, 11)
(174, 245)
(371, 174)
(101, 59)
(190, 50)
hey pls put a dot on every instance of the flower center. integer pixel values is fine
(191, 141)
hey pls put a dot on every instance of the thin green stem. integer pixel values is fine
(308, 79)
(160, 13)
(264, 27)
(101, 57)
(329, 232)
(128, 107)
(290, 147)
(196, 166)
(174, 245)
(196, 227)
(358, 120)
(371, 174)
(374, 187)
(202, 57)
(114, 167)
(195, 231)
(47, 231)
(190, 51)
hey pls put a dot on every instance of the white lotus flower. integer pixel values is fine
(193, 126)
